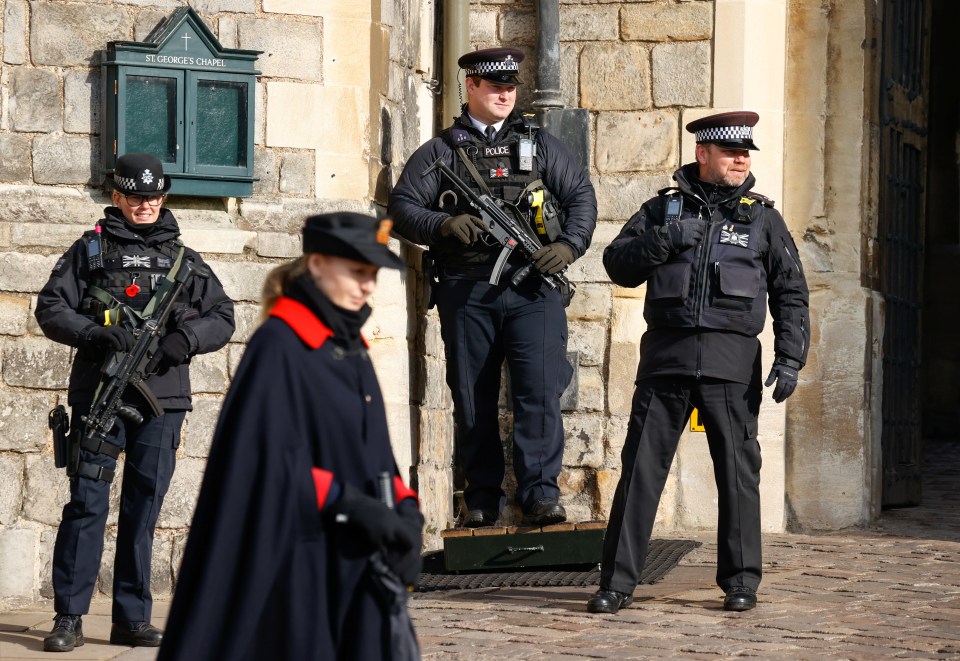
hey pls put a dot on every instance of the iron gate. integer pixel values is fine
(903, 116)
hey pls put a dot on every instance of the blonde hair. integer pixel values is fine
(278, 280)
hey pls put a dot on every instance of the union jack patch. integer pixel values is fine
(136, 261)
(730, 236)
(499, 172)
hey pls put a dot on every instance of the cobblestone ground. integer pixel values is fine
(888, 591)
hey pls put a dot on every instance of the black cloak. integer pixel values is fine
(264, 574)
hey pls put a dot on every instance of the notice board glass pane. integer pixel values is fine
(151, 116)
(221, 123)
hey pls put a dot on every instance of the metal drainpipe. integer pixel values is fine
(456, 42)
(547, 95)
(570, 125)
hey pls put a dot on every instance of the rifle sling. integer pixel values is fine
(110, 301)
(461, 152)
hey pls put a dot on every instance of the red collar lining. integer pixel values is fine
(303, 322)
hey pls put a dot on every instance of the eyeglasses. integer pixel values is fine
(137, 200)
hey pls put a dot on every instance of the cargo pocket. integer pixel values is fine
(737, 287)
(668, 285)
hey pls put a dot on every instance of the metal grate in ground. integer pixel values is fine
(664, 554)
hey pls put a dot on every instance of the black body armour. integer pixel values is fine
(505, 174)
(721, 283)
(121, 279)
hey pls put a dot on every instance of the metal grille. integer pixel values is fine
(903, 109)
(664, 554)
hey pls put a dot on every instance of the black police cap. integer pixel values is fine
(733, 130)
(350, 235)
(140, 174)
(498, 65)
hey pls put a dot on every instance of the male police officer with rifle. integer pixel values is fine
(492, 311)
(136, 304)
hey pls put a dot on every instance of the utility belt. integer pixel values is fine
(67, 445)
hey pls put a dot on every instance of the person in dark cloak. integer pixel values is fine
(292, 533)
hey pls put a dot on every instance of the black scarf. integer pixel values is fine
(345, 324)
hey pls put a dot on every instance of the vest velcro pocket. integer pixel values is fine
(738, 286)
(669, 284)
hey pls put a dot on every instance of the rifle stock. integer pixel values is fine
(509, 233)
(129, 369)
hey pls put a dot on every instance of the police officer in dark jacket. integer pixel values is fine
(498, 150)
(713, 254)
(110, 272)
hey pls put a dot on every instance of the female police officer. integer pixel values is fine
(290, 525)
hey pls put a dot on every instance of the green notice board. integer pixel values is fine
(184, 98)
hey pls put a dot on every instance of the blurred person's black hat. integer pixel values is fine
(350, 235)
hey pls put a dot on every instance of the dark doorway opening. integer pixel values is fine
(941, 283)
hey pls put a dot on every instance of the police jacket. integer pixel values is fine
(705, 305)
(419, 204)
(132, 255)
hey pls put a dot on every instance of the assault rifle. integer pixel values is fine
(508, 232)
(129, 369)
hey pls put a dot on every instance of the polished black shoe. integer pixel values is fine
(478, 518)
(740, 598)
(136, 634)
(67, 633)
(544, 512)
(608, 601)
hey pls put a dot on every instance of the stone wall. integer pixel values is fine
(328, 71)
(643, 69)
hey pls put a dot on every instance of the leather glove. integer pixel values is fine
(173, 349)
(465, 227)
(684, 233)
(785, 372)
(408, 564)
(112, 338)
(374, 523)
(553, 258)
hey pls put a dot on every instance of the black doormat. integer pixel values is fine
(664, 554)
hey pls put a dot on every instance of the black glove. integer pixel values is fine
(374, 523)
(684, 233)
(553, 258)
(785, 373)
(173, 349)
(112, 338)
(465, 227)
(408, 564)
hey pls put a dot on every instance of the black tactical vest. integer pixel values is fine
(719, 284)
(498, 165)
(128, 278)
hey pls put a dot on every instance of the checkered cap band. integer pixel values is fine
(126, 183)
(501, 66)
(725, 133)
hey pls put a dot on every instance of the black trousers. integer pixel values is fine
(661, 410)
(150, 451)
(481, 325)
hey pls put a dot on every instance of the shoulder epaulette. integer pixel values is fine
(762, 199)
(457, 135)
(669, 190)
(530, 121)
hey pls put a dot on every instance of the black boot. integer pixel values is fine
(136, 634)
(608, 601)
(67, 633)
